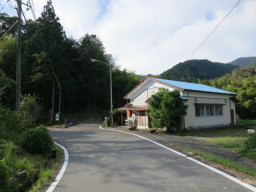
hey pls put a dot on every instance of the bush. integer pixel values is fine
(4, 181)
(30, 105)
(12, 124)
(250, 144)
(37, 141)
(167, 109)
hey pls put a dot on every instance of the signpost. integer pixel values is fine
(57, 118)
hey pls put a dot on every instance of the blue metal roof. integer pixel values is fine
(194, 86)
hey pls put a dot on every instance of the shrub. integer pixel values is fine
(167, 110)
(30, 105)
(250, 144)
(4, 181)
(37, 141)
(13, 123)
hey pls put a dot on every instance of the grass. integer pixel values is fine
(46, 173)
(239, 130)
(232, 143)
(17, 160)
(219, 160)
(232, 137)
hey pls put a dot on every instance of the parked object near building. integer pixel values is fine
(208, 107)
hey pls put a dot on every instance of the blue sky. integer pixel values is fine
(150, 36)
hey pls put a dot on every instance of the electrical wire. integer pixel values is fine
(214, 29)
(32, 8)
(8, 30)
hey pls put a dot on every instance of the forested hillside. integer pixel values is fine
(243, 82)
(192, 70)
(244, 61)
(51, 60)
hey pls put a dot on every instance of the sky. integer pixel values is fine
(151, 36)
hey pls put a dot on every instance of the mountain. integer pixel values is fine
(192, 70)
(244, 61)
(241, 81)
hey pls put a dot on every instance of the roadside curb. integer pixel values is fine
(230, 177)
(62, 170)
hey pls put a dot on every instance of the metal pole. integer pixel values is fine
(52, 112)
(111, 105)
(18, 65)
(59, 101)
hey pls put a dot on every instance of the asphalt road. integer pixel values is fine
(106, 161)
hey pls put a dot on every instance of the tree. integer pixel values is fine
(48, 53)
(6, 22)
(30, 105)
(241, 81)
(167, 110)
(5, 83)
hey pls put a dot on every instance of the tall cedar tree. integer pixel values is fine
(85, 85)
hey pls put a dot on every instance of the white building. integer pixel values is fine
(207, 106)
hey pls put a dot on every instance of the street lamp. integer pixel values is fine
(110, 85)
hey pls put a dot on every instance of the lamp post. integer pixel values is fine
(110, 85)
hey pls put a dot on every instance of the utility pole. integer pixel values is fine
(52, 111)
(18, 65)
(110, 86)
(111, 104)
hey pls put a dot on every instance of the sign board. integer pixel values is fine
(57, 118)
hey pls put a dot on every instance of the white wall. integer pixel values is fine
(193, 121)
(146, 91)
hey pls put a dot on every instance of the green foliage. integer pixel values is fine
(37, 141)
(250, 145)
(4, 180)
(167, 110)
(123, 82)
(243, 82)
(8, 56)
(197, 69)
(5, 23)
(48, 54)
(30, 105)
(13, 123)
(16, 160)
(5, 83)
(220, 160)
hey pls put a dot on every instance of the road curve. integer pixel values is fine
(116, 162)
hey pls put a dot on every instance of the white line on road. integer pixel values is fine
(62, 171)
(250, 187)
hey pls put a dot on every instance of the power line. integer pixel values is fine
(31, 3)
(8, 30)
(214, 29)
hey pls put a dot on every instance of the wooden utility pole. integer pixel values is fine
(18, 65)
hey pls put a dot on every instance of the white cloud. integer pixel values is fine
(150, 36)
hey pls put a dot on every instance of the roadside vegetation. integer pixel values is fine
(235, 138)
(217, 160)
(28, 155)
(243, 82)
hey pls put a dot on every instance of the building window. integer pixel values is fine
(208, 110)
(218, 110)
(200, 110)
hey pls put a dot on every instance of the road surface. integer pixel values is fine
(106, 161)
